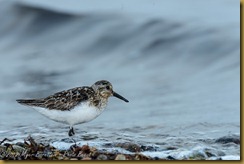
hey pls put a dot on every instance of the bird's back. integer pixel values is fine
(64, 100)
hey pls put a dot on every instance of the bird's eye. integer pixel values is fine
(107, 87)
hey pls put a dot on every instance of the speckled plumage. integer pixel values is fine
(64, 100)
(76, 105)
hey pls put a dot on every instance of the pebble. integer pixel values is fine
(132, 147)
(102, 157)
(2, 148)
(228, 139)
(120, 157)
(21, 144)
(86, 158)
(148, 148)
(18, 149)
(85, 149)
(171, 148)
(171, 158)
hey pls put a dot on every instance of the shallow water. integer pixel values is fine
(181, 75)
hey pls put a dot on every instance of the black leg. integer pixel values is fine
(71, 131)
(74, 142)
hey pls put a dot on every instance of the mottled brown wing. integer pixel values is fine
(65, 100)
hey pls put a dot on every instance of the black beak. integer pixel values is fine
(120, 97)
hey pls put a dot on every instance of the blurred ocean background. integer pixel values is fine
(177, 62)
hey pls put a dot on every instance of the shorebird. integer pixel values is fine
(75, 106)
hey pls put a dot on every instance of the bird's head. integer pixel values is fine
(105, 89)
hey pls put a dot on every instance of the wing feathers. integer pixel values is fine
(65, 100)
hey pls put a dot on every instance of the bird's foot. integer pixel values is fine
(71, 131)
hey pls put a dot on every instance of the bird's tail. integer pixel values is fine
(30, 102)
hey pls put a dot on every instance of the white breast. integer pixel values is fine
(80, 114)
